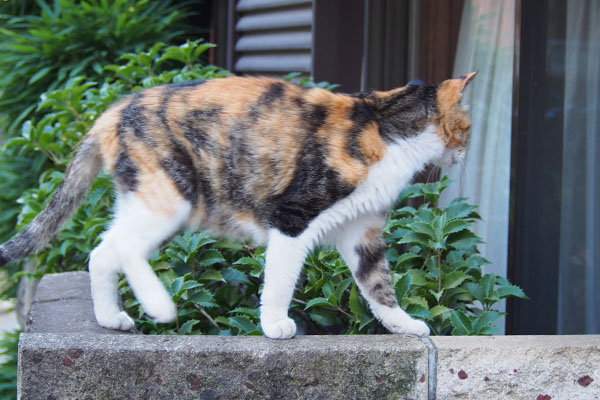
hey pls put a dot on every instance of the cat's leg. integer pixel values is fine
(104, 267)
(362, 247)
(283, 262)
(135, 234)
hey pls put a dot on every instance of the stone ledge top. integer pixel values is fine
(470, 343)
(256, 345)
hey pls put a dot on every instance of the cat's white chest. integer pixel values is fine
(382, 186)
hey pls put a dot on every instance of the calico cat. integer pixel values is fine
(257, 158)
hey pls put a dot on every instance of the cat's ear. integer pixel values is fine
(450, 92)
(464, 80)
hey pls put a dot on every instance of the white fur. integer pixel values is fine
(135, 234)
(344, 224)
(283, 262)
(402, 160)
(394, 319)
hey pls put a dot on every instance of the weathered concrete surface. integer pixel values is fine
(65, 355)
(63, 303)
(82, 366)
(518, 367)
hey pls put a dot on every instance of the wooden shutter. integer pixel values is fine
(273, 36)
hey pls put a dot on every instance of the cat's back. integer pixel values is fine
(261, 116)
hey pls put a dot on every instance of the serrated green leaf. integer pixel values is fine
(414, 238)
(463, 240)
(475, 290)
(422, 227)
(210, 257)
(243, 323)
(341, 289)
(360, 313)
(318, 302)
(488, 282)
(186, 327)
(210, 275)
(453, 279)
(402, 286)
(461, 323)
(417, 310)
(485, 319)
(176, 286)
(323, 317)
(251, 312)
(455, 225)
(234, 275)
(418, 278)
(190, 285)
(458, 208)
(438, 310)
(203, 298)
(248, 261)
(511, 291)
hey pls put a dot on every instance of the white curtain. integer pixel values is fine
(579, 261)
(486, 45)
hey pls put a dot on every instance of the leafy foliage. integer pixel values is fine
(439, 276)
(8, 367)
(72, 38)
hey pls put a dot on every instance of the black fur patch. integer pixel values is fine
(361, 114)
(316, 116)
(194, 125)
(238, 159)
(369, 256)
(314, 186)
(273, 94)
(133, 119)
(407, 112)
(126, 172)
(170, 91)
(182, 171)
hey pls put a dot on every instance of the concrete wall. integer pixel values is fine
(64, 355)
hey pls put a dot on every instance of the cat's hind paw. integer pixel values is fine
(120, 321)
(163, 312)
(281, 329)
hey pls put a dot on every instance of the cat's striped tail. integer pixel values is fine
(79, 177)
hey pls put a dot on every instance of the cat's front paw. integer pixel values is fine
(120, 321)
(409, 327)
(281, 329)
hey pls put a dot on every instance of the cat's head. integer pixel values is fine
(453, 124)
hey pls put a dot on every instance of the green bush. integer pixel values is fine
(8, 367)
(45, 46)
(72, 38)
(440, 278)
